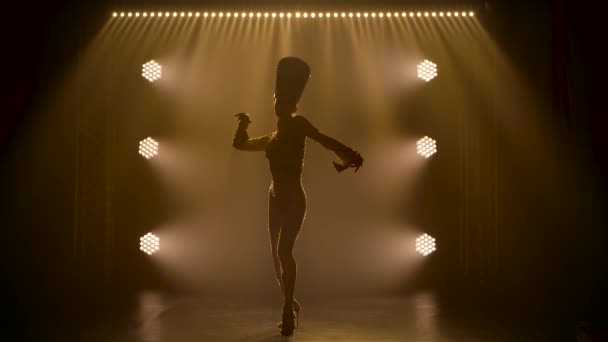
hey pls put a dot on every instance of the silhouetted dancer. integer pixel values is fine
(285, 153)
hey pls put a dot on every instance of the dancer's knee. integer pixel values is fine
(285, 256)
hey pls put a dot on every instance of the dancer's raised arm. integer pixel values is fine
(348, 156)
(241, 140)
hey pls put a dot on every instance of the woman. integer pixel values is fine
(285, 153)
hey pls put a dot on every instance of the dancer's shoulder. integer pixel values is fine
(303, 123)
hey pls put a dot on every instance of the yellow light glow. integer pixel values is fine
(274, 15)
(190, 14)
(258, 14)
(411, 14)
(464, 14)
(266, 15)
(198, 14)
(281, 14)
(175, 14)
(335, 14)
(350, 15)
(297, 14)
(427, 70)
(243, 14)
(441, 14)
(149, 244)
(471, 14)
(159, 14)
(381, 14)
(305, 15)
(419, 14)
(313, 14)
(327, 14)
(288, 14)
(365, 14)
(456, 14)
(449, 14)
(434, 14)
(145, 14)
(182, 14)
(358, 15)
(403, 14)
(426, 14)
(395, 14)
(115, 14)
(373, 14)
(425, 244)
(221, 14)
(426, 147)
(228, 14)
(343, 14)
(130, 14)
(152, 14)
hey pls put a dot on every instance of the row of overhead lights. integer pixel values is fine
(290, 14)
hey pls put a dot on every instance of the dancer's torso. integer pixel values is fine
(285, 154)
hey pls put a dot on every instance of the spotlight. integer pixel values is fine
(274, 15)
(297, 14)
(221, 14)
(471, 14)
(358, 15)
(373, 14)
(464, 14)
(427, 70)
(320, 15)
(198, 14)
(350, 15)
(213, 14)
(258, 14)
(160, 14)
(327, 15)
(365, 14)
(145, 14)
(389, 14)
(182, 14)
(426, 14)
(426, 147)
(148, 148)
(434, 14)
(313, 14)
(167, 14)
(411, 14)
(335, 14)
(149, 244)
(130, 14)
(381, 14)
(281, 15)
(288, 14)
(266, 15)
(419, 14)
(190, 14)
(114, 14)
(228, 14)
(441, 14)
(151, 71)
(305, 14)
(449, 14)
(395, 14)
(456, 14)
(425, 244)
(243, 14)
(403, 14)
(343, 15)
(175, 14)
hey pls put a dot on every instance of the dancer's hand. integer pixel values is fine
(355, 161)
(243, 118)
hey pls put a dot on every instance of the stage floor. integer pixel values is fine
(417, 317)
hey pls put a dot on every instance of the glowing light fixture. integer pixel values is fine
(149, 244)
(426, 147)
(148, 148)
(427, 70)
(151, 71)
(425, 244)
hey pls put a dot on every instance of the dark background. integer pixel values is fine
(553, 249)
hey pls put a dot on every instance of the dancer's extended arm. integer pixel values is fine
(241, 140)
(349, 157)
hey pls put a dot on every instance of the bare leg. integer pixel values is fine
(274, 230)
(292, 222)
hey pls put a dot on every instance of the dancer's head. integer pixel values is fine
(292, 75)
